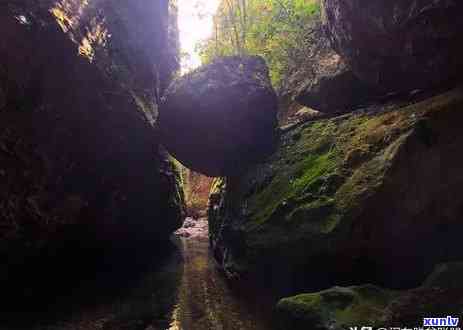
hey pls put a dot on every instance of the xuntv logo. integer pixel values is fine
(448, 321)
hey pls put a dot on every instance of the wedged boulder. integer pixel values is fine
(333, 88)
(398, 45)
(341, 199)
(220, 118)
(84, 183)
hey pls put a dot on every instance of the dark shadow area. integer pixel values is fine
(133, 286)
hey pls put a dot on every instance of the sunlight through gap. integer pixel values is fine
(195, 20)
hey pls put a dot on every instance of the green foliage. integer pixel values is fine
(281, 31)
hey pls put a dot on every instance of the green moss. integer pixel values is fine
(316, 186)
(298, 171)
(301, 305)
(336, 308)
(215, 220)
(179, 194)
(217, 185)
(311, 169)
(332, 167)
(367, 307)
(301, 177)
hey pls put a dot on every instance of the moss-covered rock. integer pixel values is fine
(346, 199)
(335, 308)
(368, 305)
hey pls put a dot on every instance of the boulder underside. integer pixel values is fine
(221, 118)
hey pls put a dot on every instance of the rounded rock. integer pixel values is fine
(220, 118)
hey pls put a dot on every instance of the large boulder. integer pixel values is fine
(341, 198)
(398, 45)
(220, 118)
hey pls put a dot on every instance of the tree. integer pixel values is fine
(278, 30)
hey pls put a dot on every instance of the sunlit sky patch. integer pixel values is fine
(195, 24)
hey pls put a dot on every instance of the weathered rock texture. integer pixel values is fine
(220, 118)
(440, 295)
(336, 308)
(80, 168)
(341, 308)
(323, 81)
(348, 200)
(333, 88)
(398, 45)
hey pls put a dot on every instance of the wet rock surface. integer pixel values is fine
(398, 45)
(220, 118)
(193, 228)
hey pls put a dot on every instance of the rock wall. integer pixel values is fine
(396, 45)
(371, 196)
(348, 200)
(82, 173)
(323, 82)
(336, 308)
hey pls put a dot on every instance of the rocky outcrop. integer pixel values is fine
(333, 88)
(81, 169)
(441, 296)
(220, 118)
(323, 81)
(341, 198)
(367, 305)
(336, 308)
(398, 45)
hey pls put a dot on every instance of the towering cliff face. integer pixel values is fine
(398, 45)
(81, 168)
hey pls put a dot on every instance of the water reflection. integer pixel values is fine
(205, 301)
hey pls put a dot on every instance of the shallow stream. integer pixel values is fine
(205, 301)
